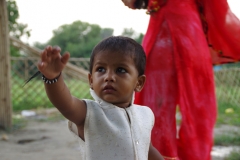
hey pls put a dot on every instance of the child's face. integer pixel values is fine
(115, 77)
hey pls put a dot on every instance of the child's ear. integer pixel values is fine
(90, 81)
(140, 83)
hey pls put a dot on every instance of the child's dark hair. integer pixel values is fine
(124, 45)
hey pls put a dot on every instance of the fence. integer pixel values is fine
(32, 95)
(227, 82)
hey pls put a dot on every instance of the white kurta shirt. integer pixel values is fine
(114, 133)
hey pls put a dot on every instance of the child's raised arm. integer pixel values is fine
(51, 66)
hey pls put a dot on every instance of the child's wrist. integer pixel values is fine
(50, 81)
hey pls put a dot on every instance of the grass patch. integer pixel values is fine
(33, 95)
(234, 155)
(228, 114)
(227, 139)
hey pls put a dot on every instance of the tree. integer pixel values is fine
(106, 32)
(139, 38)
(16, 29)
(129, 32)
(79, 38)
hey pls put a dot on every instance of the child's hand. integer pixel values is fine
(129, 3)
(52, 63)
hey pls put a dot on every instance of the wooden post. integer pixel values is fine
(5, 65)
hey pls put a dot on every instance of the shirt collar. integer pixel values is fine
(102, 102)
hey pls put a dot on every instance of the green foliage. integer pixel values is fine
(106, 32)
(234, 155)
(229, 139)
(30, 96)
(33, 95)
(225, 117)
(79, 38)
(14, 52)
(129, 32)
(227, 87)
(16, 29)
(231, 65)
(39, 45)
(139, 38)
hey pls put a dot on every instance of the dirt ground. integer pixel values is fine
(41, 140)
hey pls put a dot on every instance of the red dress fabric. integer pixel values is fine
(180, 73)
(223, 31)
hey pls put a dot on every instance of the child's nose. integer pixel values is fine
(110, 76)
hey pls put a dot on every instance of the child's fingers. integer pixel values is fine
(50, 53)
(65, 57)
(56, 52)
(56, 49)
(44, 55)
(41, 65)
(48, 49)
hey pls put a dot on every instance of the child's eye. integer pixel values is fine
(100, 69)
(121, 70)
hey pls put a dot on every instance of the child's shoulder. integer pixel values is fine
(143, 108)
(142, 112)
(91, 103)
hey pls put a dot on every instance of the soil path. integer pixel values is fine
(43, 141)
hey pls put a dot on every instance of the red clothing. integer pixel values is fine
(179, 72)
(223, 31)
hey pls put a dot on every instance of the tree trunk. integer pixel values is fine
(5, 65)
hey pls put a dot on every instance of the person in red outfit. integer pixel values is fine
(183, 40)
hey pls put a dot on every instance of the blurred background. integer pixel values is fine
(77, 26)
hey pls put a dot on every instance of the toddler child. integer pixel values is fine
(111, 127)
